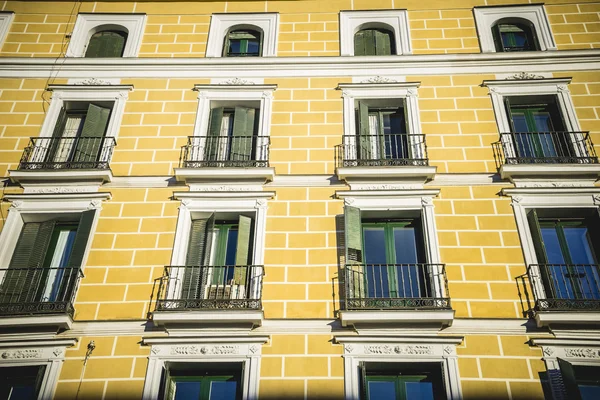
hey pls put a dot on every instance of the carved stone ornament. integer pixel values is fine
(260, 203)
(254, 348)
(93, 81)
(155, 350)
(222, 188)
(562, 88)
(524, 75)
(427, 201)
(21, 354)
(59, 189)
(596, 199)
(385, 186)
(348, 348)
(548, 351)
(448, 349)
(267, 94)
(16, 204)
(203, 95)
(413, 350)
(348, 201)
(57, 351)
(94, 204)
(236, 81)
(378, 349)
(583, 352)
(185, 202)
(412, 92)
(204, 350)
(379, 79)
(517, 199)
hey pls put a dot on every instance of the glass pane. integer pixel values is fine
(405, 245)
(396, 143)
(234, 47)
(381, 390)
(232, 236)
(223, 390)
(408, 279)
(187, 390)
(589, 392)
(419, 390)
(60, 259)
(253, 47)
(22, 392)
(519, 121)
(579, 245)
(376, 270)
(552, 246)
(543, 121)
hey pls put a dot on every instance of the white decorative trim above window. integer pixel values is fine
(165, 351)
(88, 24)
(221, 24)
(486, 17)
(6, 19)
(523, 174)
(413, 350)
(49, 354)
(524, 200)
(394, 20)
(388, 94)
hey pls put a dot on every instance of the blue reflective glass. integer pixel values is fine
(578, 244)
(381, 390)
(223, 390)
(232, 237)
(552, 246)
(376, 270)
(187, 390)
(22, 392)
(407, 276)
(419, 390)
(589, 392)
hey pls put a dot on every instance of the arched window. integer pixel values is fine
(374, 42)
(108, 43)
(514, 35)
(243, 43)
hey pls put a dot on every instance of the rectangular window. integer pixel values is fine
(232, 134)
(581, 381)
(21, 383)
(191, 381)
(45, 265)
(567, 248)
(402, 381)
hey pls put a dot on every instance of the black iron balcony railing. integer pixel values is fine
(67, 153)
(38, 291)
(243, 54)
(545, 148)
(196, 288)
(565, 287)
(396, 287)
(225, 151)
(382, 150)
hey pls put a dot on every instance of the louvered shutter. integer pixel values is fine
(194, 260)
(365, 140)
(497, 38)
(24, 270)
(106, 44)
(569, 380)
(243, 249)
(383, 45)
(360, 43)
(75, 259)
(362, 375)
(536, 237)
(214, 131)
(243, 132)
(354, 250)
(92, 135)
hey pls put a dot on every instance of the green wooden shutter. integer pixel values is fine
(92, 134)
(106, 44)
(214, 131)
(243, 132)
(383, 42)
(569, 380)
(242, 252)
(365, 139)
(353, 234)
(592, 223)
(194, 259)
(360, 43)
(536, 237)
(497, 38)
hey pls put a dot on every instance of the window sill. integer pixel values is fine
(547, 318)
(550, 171)
(376, 174)
(63, 321)
(249, 318)
(397, 318)
(64, 176)
(237, 174)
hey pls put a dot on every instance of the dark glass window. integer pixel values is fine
(581, 382)
(215, 381)
(514, 35)
(107, 43)
(374, 42)
(243, 43)
(21, 383)
(401, 381)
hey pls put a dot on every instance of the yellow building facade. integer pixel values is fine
(300, 199)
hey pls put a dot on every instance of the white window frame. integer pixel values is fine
(576, 352)
(48, 353)
(210, 350)
(524, 200)
(38, 208)
(394, 20)
(399, 350)
(486, 17)
(88, 24)
(263, 94)
(221, 24)
(402, 200)
(6, 19)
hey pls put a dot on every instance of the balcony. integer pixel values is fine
(396, 293)
(546, 155)
(52, 159)
(215, 158)
(38, 296)
(566, 293)
(210, 295)
(380, 157)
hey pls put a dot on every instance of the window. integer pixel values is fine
(374, 33)
(107, 43)
(514, 35)
(21, 383)
(581, 381)
(374, 42)
(243, 43)
(5, 21)
(400, 381)
(243, 35)
(107, 35)
(513, 28)
(216, 381)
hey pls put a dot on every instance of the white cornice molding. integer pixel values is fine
(257, 67)
(382, 85)
(235, 88)
(58, 196)
(537, 81)
(86, 88)
(223, 195)
(341, 194)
